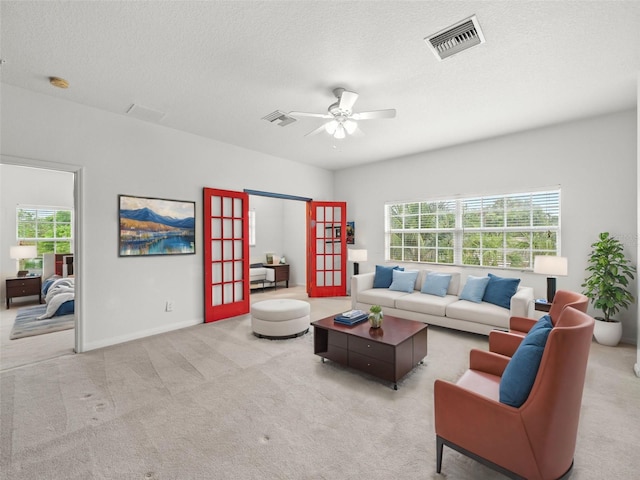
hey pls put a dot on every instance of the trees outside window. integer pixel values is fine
(49, 228)
(505, 231)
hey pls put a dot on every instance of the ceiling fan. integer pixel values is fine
(342, 119)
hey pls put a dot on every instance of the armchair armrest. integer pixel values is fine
(521, 324)
(488, 362)
(504, 343)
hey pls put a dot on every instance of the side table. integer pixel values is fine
(23, 287)
(542, 305)
(281, 273)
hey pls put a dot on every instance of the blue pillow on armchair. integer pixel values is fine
(520, 374)
(384, 276)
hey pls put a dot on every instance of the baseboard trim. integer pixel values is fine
(141, 334)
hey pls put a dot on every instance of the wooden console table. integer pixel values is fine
(281, 273)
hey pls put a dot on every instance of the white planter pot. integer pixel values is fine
(608, 333)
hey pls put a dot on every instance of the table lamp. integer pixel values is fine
(550, 265)
(20, 253)
(356, 255)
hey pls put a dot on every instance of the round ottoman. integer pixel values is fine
(282, 318)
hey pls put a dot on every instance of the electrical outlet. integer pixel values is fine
(169, 306)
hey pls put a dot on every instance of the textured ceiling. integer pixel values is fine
(216, 68)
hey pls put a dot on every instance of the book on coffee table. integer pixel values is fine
(351, 320)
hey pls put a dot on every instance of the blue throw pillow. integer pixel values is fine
(474, 289)
(436, 284)
(500, 290)
(543, 322)
(66, 308)
(520, 374)
(384, 276)
(404, 281)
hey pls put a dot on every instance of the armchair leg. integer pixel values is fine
(439, 446)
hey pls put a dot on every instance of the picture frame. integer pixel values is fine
(155, 226)
(351, 233)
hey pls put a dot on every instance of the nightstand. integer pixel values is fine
(281, 273)
(23, 287)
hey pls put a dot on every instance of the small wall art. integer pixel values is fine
(351, 233)
(156, 226)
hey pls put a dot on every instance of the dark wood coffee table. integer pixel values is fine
(389, 352)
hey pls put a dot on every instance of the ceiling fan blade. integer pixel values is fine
(316, 131)
(307, 114)
(391, 113)
(347, 100)
(358, 132)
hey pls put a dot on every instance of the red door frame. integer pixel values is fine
(321, 248)
(226, 254)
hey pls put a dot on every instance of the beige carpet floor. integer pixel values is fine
(215, 402)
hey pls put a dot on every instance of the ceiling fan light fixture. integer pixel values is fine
(340, 132)
(350, 126)
(331, 126)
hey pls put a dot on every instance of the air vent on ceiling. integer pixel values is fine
(280, 116)
(456, 38)
(144, 113)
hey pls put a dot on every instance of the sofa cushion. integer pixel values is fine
(500, 290)
(384, 276)
(424, 303)
(520, 373)
(473, 290)
(380, 296)
(436, 284)
(486, 313)
(403, 281)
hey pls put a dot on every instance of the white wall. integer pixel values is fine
(593, 160)
(124, 298)
(27, 186)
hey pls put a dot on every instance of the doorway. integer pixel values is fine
(30, 175)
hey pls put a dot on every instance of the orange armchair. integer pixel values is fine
(535, 441)
(506, 343)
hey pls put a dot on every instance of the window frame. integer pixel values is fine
(421, 239)
(37, 263)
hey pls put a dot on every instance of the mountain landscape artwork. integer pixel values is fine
(154, 226)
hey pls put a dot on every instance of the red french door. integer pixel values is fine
(226, 254)
(326, 249)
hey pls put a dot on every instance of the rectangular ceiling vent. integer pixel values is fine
(456, 38)
(282, 117)
(145, 113)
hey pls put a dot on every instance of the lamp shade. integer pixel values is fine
(550, 265)
(20, 252)
(356, 255)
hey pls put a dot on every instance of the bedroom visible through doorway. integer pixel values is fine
(40, 199)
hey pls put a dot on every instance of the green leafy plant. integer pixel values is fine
(608, 280)
(375, 309)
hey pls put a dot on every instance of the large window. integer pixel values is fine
(49, 228)
(505, 231)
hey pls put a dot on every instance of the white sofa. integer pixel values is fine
(448, 311)
(258, 276)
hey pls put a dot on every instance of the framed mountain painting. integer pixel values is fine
(155, 226)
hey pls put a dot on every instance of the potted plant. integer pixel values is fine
(607, 286)
(375, 316)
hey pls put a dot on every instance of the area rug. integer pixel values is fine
(28, 325)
